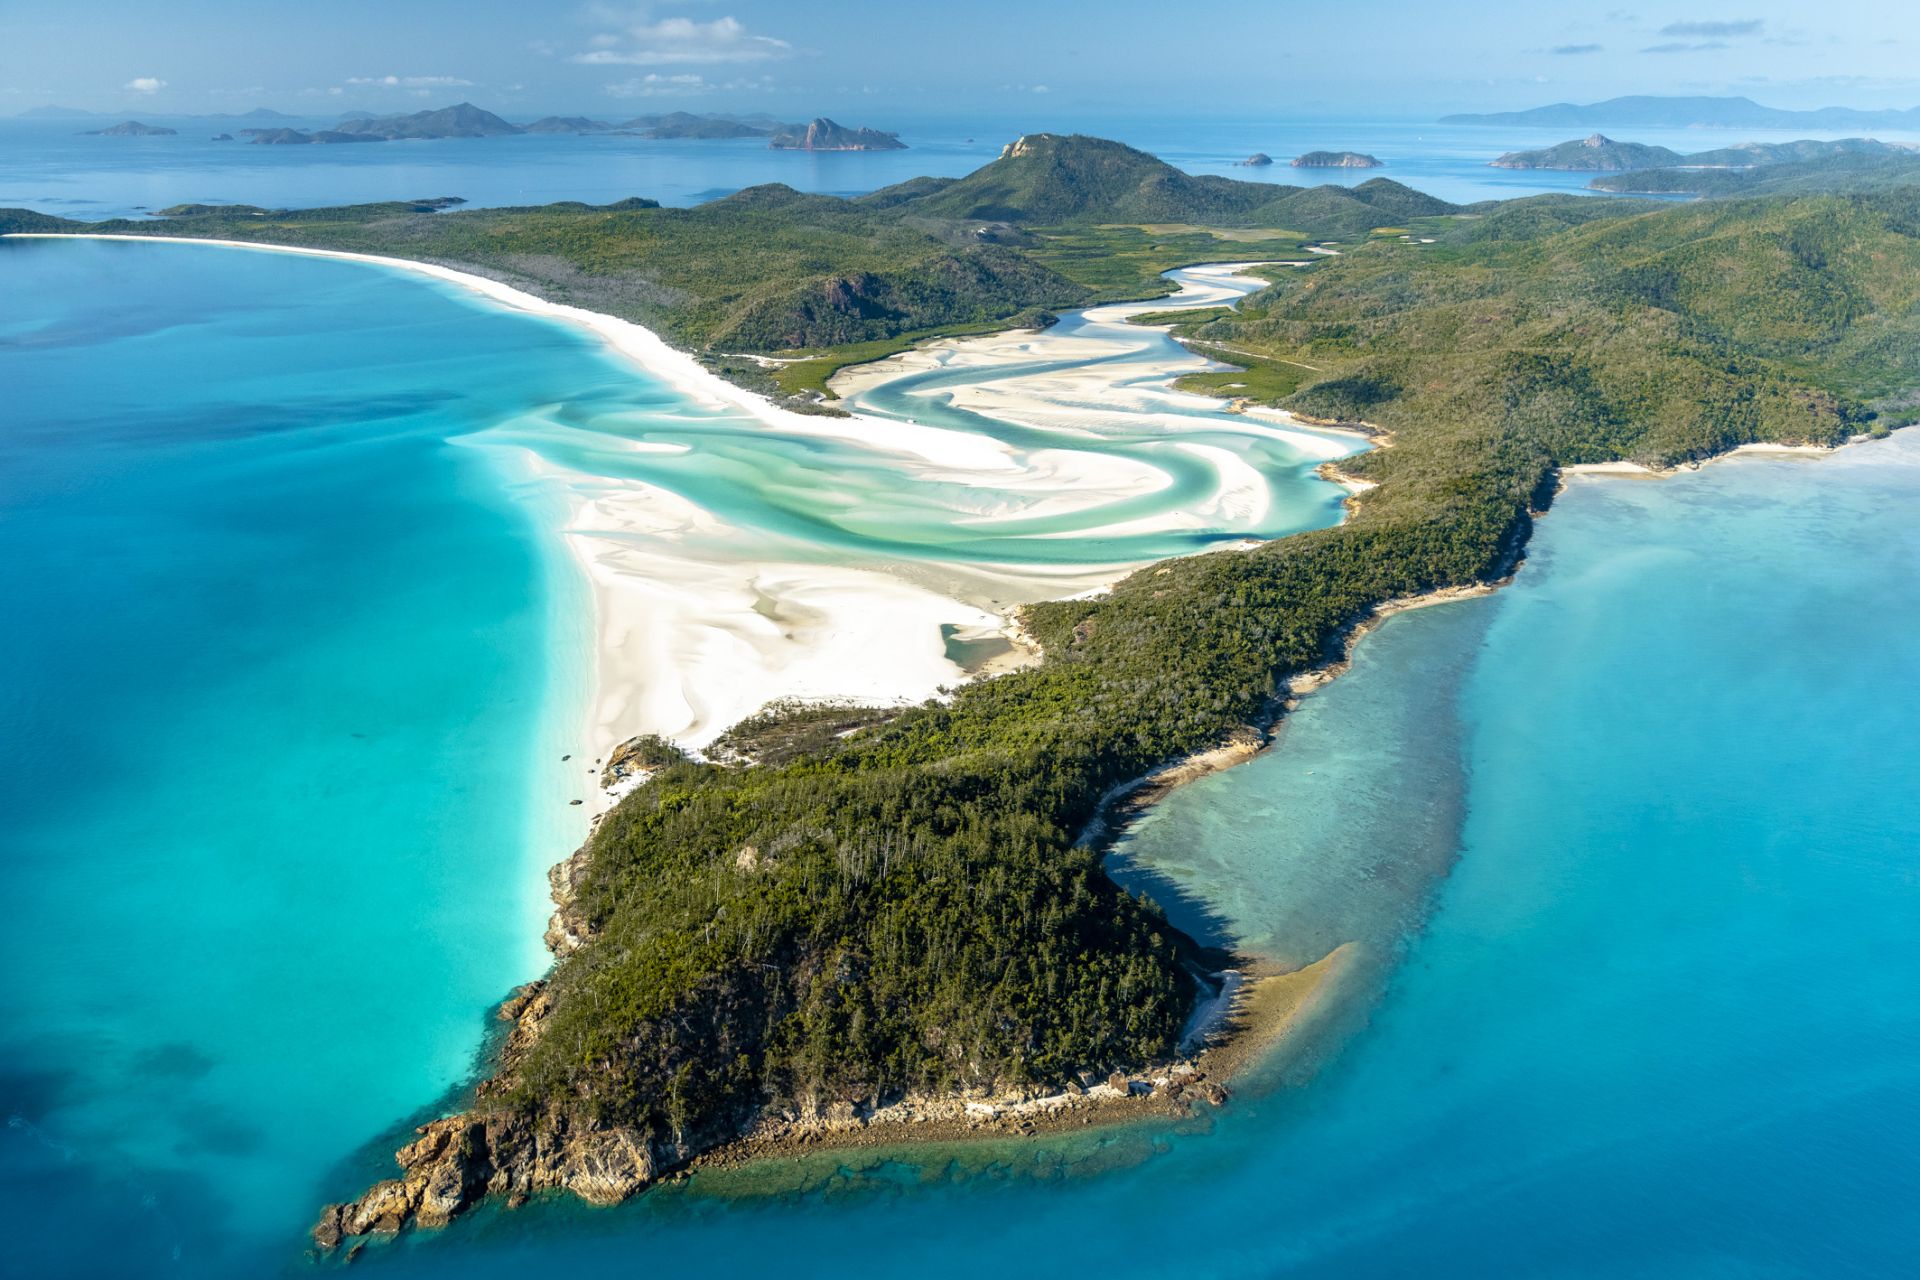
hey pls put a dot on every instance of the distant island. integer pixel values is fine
(1686, 113)
(1258, 159)
(300, 137)
(464, 120)
(822, 134)
(1596, 151)
(131, 129)
(1784, 168)
(1335, 160)
(1650, 170)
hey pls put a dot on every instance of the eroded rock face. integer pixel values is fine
(608, 1167)
(458, 1161)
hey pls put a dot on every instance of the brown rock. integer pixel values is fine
(609, 1166)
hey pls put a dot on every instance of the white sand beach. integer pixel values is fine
(698, 623)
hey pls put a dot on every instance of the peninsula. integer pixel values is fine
(1598, 152)
(854, 907)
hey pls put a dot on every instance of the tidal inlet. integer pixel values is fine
(640, 643)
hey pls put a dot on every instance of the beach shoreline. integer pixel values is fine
(684, 645)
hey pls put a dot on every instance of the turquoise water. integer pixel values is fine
(1638, 829)
(294, 653)
(1624, 855)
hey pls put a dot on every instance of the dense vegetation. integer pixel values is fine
(912, 894)
(883, 902)
(1047, 179)
(1792, 171)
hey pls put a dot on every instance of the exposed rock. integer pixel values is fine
(1257, 160)
(457, 1161)
(822, 134)
(608, 1167)
(633, 761)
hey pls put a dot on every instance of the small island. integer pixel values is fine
(131, 129)
(1596, 152)
(1336, 160)
(1257, 160)
(822, 134)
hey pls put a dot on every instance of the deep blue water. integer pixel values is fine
(47, 165)
(1624, 855)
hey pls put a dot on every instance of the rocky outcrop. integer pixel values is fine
(1258, 160)
(822, 134)
(456, 1162)
(500, 1149)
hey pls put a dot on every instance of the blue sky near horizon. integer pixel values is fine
(891, 57)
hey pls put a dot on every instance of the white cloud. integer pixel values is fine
(410, 82)
(682, 85)
(678, 41)
(145, 84)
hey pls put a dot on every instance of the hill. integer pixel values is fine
(566, 124)
(1838, 169)
(463, 120)
(1684, 113)
(1596, 151)
(767, 269)
(1049, 179)
(1335, 160)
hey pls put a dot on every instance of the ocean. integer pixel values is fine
(50, 166)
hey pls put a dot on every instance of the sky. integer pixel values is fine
(878, 60)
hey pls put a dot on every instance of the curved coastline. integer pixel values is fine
(650, 346)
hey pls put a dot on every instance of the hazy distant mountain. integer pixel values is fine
(463, 120)
(682, 124)
(55, 113)
(131, 129)
(1602, 154)
(822, 134)
(1596, 152)
(258, 113)
(567, 124)
(301, 138)
(1680, 113)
